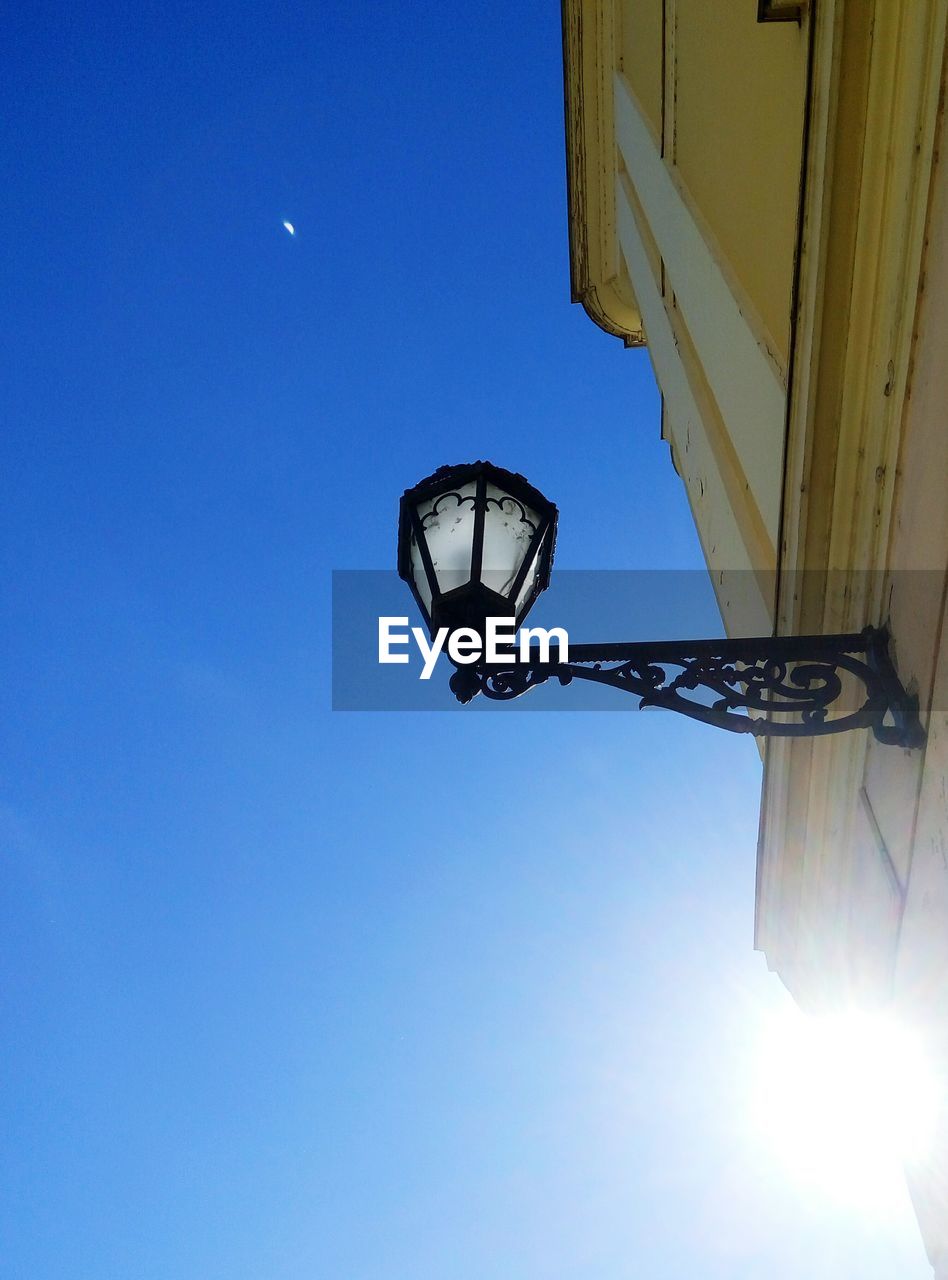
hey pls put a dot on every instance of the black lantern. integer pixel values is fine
(475, 542)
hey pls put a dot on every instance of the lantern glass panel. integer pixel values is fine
(419, 576)
(509, 530)
(448, 524)
(530, 581)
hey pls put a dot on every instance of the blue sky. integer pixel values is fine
(290, 993)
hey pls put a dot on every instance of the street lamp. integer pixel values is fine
(476, 542)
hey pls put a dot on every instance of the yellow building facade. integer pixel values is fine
(756, 194)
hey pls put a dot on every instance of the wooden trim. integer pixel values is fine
(739, 368)
(595, 280)
(877, 74)
(873, 102)
(737, 545)
(669, 80)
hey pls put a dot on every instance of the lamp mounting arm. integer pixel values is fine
(772, 686)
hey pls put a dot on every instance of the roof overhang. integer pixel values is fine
(598, 278)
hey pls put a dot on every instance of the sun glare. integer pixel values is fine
(844, 1102)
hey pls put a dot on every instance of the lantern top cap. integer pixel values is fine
(461, 473)
(449, 477)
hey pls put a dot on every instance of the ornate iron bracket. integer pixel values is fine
(774, 686)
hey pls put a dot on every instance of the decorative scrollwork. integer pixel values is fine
(460, 499)
(430, 517)
(784, 686)
(524, 518)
